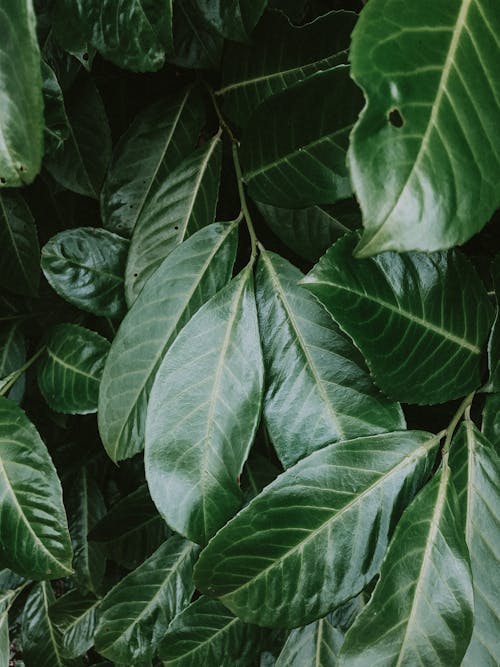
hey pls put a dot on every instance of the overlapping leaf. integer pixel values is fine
(12, 357)
(74, 617)
(40, 638)
(196, 44)
(316, 645)
(420, 320)
(19, 261)
(494, 341)
(233, 20)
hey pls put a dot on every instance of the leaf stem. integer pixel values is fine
(13, 377)
(222, 121)
(243, 201)
(463, 408)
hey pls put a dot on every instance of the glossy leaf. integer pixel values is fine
(233, 20)
(421, 611)
(494, 341)
(476, 471)
(12, 357)
(205, 633)
(158, 139)
(19, 261)
(316, 536)
(316, 645)
(4, 629)
(491, 420)
(21, 121)
(302, 162)
(428, 315)
(177, 207)
(318, 389)
(40, 638)
(74, 616)
(279, 56)
(425, 155)
(189, 276)
(34, 538)
(137, 611)
(70, 372)
(196, 44)
(86, 267)
(203, 413)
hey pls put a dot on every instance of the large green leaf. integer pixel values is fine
(70, 371)
(157, 140)
(425, 155)
(177, 207)
(34, 537)
(196, 44)
(491, 420)
(419, 319)
(135, 614)
(74, 616)
(280, 55)
(205, 633)
(318, 387)
(86, 267)
(315, 537)
(494, 341)
(203, 413)
(21, 120)
(421, 612)
(12, 357)
(4, 628)
(41, 640)
(476, 471)
(188, 277)
(301, 162)
(20, 257)
(316, 645)
(235, 19)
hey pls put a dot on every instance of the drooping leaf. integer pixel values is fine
(86, 267)
(476, 471)
(280, 55)
(234, 20)
(74, 616)
(316, 645)
(491, 420)
(176, 208)
(20, 257)
(316, 536)
(41, 640)
(157, 140)
(421, 611)
(135, 614)
(12, 357)
(196, 44)
(428, 316)
(70, 372)
(203, 413)
(206, 633)
(318, 389)
(301, 162)
(34, 537)
(425, 155)
(494, 341)
(188, 277)
(21, 120)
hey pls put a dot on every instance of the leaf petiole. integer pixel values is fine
(10, 380)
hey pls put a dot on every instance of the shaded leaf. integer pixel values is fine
(494, 341)
(491, 420)
(74, 616)
(257, 474)
(40, 638)
(196, 44)
(233, 20)
(12, 357)
(57, 128)
(316, 645)
(4, 629)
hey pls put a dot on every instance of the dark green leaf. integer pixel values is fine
(494, 341)
(4, 629)
(203, 413)
(233, 20)
(425, 155)
(70, 372)
(428, 315)
(491, 420)
(86, 267)
(74, 616)
(316, 536)
(12, 357)
(196, 44)
(34, 537)
(41, 640)
(57, 128)
(9, 580)
(316, 645)
(257, 474)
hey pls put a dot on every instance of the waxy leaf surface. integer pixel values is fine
(316, 645)
(41, 640)
(74, 616)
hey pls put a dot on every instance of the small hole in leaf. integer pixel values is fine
(135, 275)
(21, 168)
(85, 56)
(395, 118)
(2, 180)
(176, 227)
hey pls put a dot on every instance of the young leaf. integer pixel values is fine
(421, 611)
(34, 537)
(491, 420)
(429, 316)
(476, 471)
(70, 372)
(74, 616)
(21, 120)
(86, 267)
(425, 154)
(316, 536)
(176, 208)
(233, 20)
(188, 277)
(12, 357)
(40, 638)
(494, 341)
(203, 413)
(316, 645)
(136, 613)
(19, 261)
(302, 162)
(158, 139)
(318, 390)
(196, 44)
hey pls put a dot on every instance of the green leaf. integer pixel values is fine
(421, 611)
(318, 389)
(74, 616)
(476, 472)
(425, 154)
(316, 645)
(9, 580)
(12, 357)
(279, 56)
(20, 258)
(429, 316)
(302, 162)
(233, 20)
(205, 633)
(257, 474)
(203, 413)
(196, 44)
(176, 208)
(316, 536)
(70, 372)
(40, 638)
(21, 121)
(188, 277)
(4, 629)
(494, 341)
(34, 537)
(137, 611)
(491, 420)
(57, 128)
(86, 267)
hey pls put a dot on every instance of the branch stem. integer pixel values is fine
(462, 409)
